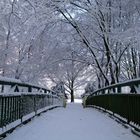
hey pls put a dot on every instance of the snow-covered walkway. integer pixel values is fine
(72, 123)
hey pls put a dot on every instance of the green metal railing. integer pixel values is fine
(113, 98)
(16, 107)
(16, 103)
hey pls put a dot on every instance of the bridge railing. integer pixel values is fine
(122, 99)
(19, 102)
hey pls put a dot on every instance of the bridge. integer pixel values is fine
(31, 112)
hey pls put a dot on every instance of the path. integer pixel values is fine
(72, 123)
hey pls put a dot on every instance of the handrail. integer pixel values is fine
(125, 105)
(24, 84)
(134, 82)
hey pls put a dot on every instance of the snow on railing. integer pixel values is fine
(9, 84)
(20, 102)
(131, 86)
(121, 99)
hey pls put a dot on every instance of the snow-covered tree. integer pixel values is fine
(70, 41)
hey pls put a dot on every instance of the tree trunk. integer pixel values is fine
(72, 95)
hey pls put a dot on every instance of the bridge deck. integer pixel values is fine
(72, 123)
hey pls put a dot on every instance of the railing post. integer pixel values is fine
(29, 89)
(35, 108)
(128, 109)
(2, 88)
(2, 112)
(119, 89)
(21, 108)
(45, 91)
(103, 91)
(113, 89)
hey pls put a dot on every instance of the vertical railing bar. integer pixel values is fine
(2, 108)
(5, 111)
(8, 110)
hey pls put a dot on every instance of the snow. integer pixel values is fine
(28, 116)
(48, 107)
(17, 81)
(75, 100)
(6, 79)
(125, 87)
(72, 123)
(26, 93)
(10, 126)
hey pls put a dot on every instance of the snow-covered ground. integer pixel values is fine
(72, 123)
(75, 100)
